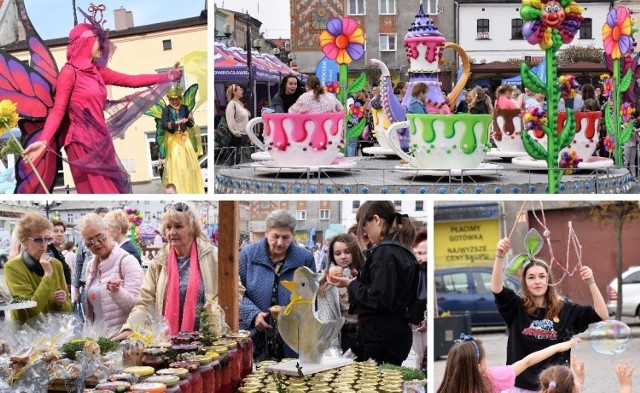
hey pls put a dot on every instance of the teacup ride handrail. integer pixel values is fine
(394, 141)
(252, 136)
(466, 69)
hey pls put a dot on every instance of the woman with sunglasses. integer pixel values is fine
(34, 274)
(181, 276)
(113, 278)
(539, 317)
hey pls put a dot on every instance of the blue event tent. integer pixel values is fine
(538, 70)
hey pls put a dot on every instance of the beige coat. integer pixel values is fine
(154, 286)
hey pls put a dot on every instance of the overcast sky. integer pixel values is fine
(274, 14)
(54, 18)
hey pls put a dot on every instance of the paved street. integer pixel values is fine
(153, 187)
(599, 369)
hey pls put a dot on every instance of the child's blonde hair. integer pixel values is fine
(557, 379)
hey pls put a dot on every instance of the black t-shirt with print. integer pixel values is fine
(528, 334)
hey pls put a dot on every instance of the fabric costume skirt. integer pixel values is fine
(96, 168)
(181, 166)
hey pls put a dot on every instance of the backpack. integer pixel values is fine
(417, 307)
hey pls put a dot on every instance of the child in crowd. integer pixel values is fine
(345, 260)
(467, 372)
(561, 379)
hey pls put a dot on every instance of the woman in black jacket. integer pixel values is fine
(386, 285)
(289, 92)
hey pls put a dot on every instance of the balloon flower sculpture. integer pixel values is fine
(617, 35)
(343, 41)
(135, 220)
(549, 24)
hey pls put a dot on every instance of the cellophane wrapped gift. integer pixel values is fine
(32, 348)
(149, 329)
(212, 321)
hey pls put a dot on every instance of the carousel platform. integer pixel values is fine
(386, 175)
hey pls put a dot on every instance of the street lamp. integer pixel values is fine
(259, 43)
(47, 206)
(227, 30)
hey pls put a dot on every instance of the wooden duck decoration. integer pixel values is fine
(297, 323)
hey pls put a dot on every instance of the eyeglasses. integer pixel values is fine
(90, 242)
(179, 206)
(42, 240)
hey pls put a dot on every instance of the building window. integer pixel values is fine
(432, 7)
(70, 218)
(398, 205)
(387, 7)
(387, 42)
(166, 44)
(586, 31)
(147, 216)
(419, 206)
(356, 205)
(356, 7)
(301, 215)
(325, 214)
(483, 29)
(516, 29)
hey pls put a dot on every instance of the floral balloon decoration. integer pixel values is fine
(545, 16)
(343, 41)
(617, 37)
(135, 221)
(549, 24)
(616, 32)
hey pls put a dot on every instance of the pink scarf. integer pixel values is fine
(172, 307)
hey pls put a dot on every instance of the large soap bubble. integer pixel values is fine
(610, 337)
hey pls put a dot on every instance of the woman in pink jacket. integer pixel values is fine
(77, 118)
(114, 276)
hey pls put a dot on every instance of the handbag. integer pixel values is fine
(418, 308)
(268, 345)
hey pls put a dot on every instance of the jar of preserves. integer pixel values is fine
(155, 357)
(170, 381)
(221, 358)
(182, 373)
(149, 387)
(194, 378)
(235, 363)
(141, 372)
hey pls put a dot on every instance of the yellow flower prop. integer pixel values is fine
(8, 120)
(8, 116)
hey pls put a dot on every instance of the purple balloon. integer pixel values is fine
(612, 17)
(624, 44)
(529, 28)
(356, 51)
(334, 27)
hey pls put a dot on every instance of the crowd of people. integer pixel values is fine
(541, 327)
(371, 277)
(585, 98)
(104, 279)
(293, 97)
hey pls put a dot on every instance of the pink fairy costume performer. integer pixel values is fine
(76, 119)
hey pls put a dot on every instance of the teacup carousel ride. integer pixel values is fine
(443, 153)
